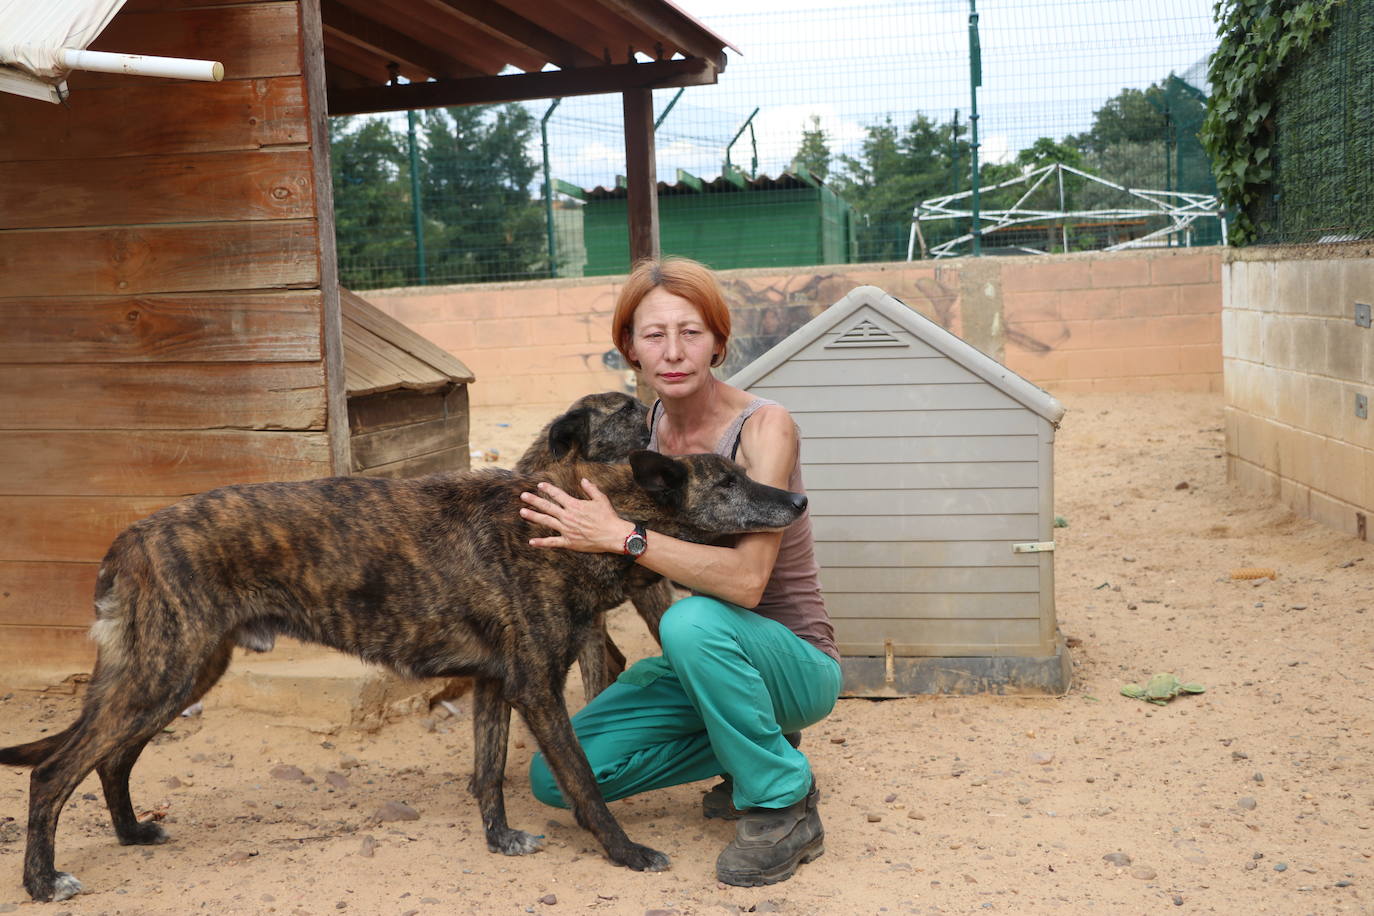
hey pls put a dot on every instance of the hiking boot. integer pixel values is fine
(719, 800)
(770, 843)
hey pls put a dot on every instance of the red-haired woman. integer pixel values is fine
(750, 657)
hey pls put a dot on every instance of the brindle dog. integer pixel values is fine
(598, 421)
(433, 577)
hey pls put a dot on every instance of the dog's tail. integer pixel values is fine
(35, 752)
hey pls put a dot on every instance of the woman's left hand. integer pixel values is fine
(585, 525)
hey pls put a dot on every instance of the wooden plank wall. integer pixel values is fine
(161, 294)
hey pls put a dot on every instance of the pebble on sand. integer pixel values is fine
(1119, 859)
(396, 811)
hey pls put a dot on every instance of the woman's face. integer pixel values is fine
(672, 344)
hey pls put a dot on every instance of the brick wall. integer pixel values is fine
(1145, 320)
(1295, 360)
(1119, 321)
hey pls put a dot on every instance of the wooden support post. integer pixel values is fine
(336, 395)
(641, 178)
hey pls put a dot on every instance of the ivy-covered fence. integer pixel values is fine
(1290, 124)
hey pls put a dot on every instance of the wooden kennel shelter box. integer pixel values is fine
(168, 276)
(930, 471)
(407, 397)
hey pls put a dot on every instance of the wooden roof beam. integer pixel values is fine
(348, 56)
(680, 31)
(413, 56)
(337, 75)
(473, 35)
(519, 87)
(514, 29)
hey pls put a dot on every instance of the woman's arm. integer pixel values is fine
(738, 574)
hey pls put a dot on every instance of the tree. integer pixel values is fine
(482, 221)
(897, 169)
(371, 202)
(814, 153)
(1045, 151)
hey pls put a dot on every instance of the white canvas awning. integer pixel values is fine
(41, 42)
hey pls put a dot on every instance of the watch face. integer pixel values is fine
(635, 545)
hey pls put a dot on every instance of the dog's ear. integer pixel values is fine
(664, 479)
(571, 432)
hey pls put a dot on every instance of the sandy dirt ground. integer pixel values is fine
(1254, 797)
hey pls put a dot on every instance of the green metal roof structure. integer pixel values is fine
(729, 222)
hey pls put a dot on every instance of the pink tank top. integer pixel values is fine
(792, 596)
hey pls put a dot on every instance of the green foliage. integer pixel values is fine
(1258, 39)
(481, 221)
(1131, 116)
(475, 173)
(898, 168)
(368, 160)
(1046, 151)
(814, 152)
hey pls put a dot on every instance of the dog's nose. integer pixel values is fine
(799, 501)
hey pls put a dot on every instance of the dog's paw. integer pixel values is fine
(511, 842)
(641, 858)
(147, 833)
(59, 887)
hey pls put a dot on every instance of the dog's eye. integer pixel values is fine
(726, 483)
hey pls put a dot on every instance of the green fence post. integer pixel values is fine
(548, 189)
(415, 205)
(975, 72)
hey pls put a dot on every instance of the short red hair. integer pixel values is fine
(683, 277)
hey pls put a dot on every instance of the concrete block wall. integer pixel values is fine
(1295, 361)
(1142, 320)
(1116, 321)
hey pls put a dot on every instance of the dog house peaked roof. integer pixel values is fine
(869, 317)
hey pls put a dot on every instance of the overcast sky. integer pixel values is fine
(1047, 66)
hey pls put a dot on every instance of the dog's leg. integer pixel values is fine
(593, 661)
(114, 770)
(491, 731)
(652, 601)
(601, 660)
(547, 717)
(121, 718)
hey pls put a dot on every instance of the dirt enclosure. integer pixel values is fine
(1254, 797)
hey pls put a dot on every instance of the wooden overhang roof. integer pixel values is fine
(382, 354)
(462, 52)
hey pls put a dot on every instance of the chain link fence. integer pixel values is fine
(816, 145)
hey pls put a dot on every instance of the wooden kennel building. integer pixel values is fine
(930, 468)
(407, 397)
(168, 277)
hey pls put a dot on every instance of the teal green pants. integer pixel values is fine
(729, 685)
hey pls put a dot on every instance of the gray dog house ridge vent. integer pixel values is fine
(930, 471)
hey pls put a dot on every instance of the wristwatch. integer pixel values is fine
(636, 542)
